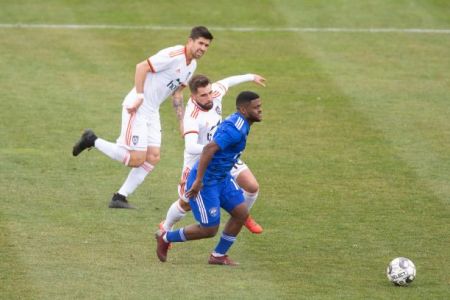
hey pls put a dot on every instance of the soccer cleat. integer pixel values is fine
(252, 226)
(161, 245)
(86, 141)
(161, 227)
(120, 201)
(221, 260)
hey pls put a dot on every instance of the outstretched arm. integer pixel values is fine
(238, 79)
(208, 152)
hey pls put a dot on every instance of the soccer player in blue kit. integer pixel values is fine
(210, 185)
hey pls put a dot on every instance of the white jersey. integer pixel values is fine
(204, 123)
(169, 70)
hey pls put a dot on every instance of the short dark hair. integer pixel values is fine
(201, 31)
(198, 81)
(245, 97)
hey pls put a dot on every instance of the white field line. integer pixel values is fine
(237, 29)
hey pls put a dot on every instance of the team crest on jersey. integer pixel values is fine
(213, 211)
(135, 139)
(218, 110)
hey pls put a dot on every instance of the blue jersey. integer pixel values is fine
(231, 137)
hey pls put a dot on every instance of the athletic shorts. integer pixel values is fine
(138, 133)
(206, 206)
(235, 171)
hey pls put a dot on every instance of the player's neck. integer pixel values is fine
(188, 54)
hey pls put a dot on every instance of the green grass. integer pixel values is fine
(352, 157)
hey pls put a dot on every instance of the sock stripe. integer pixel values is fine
(180, 209)
(228, 237)
(183, 237)
(147, 167)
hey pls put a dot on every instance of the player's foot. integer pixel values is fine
(161, 227)
(120, 201)
(161, 245)
(221, 260)
(86, 141)
(252, 226)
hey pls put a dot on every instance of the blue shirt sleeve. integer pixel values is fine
(227, 135)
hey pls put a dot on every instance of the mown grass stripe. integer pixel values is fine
(237, 29)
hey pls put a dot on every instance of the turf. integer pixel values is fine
(352, 157)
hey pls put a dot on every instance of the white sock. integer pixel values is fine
(113, 151)
(250, 199)
(135, 178)
(174, 215)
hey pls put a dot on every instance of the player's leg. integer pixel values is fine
(247, 181)
(120, 151)
(206, 211)
(150, 135)
(137, 175)
(180, 207)
(232, 201)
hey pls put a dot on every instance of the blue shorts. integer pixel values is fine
(206, 206)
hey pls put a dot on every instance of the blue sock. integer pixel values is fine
(226, 241)
(175, 236)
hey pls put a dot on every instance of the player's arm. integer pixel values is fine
(177, 103)
(191, 144)
(208, 152)
(238, 79)
(142, 69)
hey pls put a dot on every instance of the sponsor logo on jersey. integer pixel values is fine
(218, 110)
(174, 84)
(135, 139)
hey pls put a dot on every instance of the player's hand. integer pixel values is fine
(194, 190)
(259, 80)
(135, 106)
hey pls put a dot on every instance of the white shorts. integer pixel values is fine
(138, 133)
(238, 167)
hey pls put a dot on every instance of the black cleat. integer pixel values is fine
(86, 141)
(120, 201)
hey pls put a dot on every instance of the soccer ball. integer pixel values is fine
(401, 271)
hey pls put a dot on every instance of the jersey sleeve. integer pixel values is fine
(190, 123)
(163, 59)
(227, 134)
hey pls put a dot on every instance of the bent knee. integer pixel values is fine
(136, 161)
(211, 231)
(252, 188)
(153, 158)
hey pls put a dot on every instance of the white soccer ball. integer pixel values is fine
(401, 271)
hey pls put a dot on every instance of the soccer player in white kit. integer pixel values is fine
(202, 116)
(138, 146)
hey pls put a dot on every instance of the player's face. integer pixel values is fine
(254, 111)
(198, 47)
(203, 97)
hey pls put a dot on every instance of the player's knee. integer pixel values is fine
(153, 158)
(184, 205)
(136, 160)
(210, 232)
(252, 188)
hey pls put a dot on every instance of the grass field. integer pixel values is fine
(353, 155)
